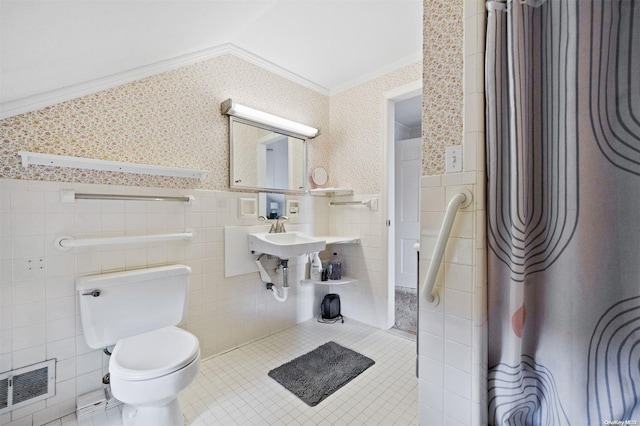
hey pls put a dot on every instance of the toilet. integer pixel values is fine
(152, 360)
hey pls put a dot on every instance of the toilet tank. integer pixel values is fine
(122, 304)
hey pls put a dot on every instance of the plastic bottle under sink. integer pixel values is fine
(335, 268)
(316, 267)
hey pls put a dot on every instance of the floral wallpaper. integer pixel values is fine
(170, 119)
(357, 131)
(173, 119)
(443, 86)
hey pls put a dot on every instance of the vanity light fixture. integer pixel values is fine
(240, 111)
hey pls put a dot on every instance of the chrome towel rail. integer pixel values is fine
(345, 203)
(460, 199)
(71, 196)
(373, 203)
(67, 242)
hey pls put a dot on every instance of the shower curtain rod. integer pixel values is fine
(504, 4)
(497, 5)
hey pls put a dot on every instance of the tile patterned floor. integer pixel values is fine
(234, 389)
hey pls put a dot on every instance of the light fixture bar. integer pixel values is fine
(236, 110)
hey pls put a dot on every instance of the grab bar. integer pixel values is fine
(460, 199)
(67, 242)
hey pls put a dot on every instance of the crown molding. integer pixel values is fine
(45, 99)
(407, 60)
(41, 100)
(276, 69)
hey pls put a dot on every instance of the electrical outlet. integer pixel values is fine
(453, 159)
(293, 207)
(28, 268)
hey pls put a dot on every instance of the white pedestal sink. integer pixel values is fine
(284, 245)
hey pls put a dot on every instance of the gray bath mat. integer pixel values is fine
(317, 374)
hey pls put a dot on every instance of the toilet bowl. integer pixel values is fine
(153, 360)
(148, 371)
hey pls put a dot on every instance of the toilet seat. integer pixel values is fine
(153, 354)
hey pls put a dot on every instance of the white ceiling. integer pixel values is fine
(330, 45)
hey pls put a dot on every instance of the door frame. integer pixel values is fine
(398, 94)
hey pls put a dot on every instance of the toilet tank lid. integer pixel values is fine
(117, 278)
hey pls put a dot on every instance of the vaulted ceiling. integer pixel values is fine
(329, 45)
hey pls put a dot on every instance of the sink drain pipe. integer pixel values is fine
(264, 276)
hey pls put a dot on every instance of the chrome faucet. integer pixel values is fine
(277, 227)
(280, 224)
(273, 224)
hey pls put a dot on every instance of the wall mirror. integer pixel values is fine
(262, 158)
(271, 206)
(267, 152)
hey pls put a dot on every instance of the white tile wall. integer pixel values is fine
(449, 371)
(39, 318)
(453, 334)
(367, 300)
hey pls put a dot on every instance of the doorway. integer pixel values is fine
(404, 162)
(407, 170)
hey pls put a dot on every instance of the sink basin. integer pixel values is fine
(284, 245)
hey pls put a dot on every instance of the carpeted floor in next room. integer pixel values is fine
(406, 309)
(234, 388)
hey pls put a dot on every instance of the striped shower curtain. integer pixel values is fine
(563, 212)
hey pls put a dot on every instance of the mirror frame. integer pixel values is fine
(234, 185)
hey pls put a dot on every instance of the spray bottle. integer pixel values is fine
(316, 267)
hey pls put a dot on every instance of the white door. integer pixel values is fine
(408, 170)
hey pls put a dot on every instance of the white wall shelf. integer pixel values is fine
(331, 191)
(333, 239)
(30, 158)
(343, 281)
